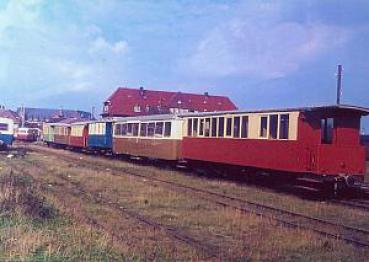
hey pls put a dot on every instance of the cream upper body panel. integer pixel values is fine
(149, 129)
(276, 125)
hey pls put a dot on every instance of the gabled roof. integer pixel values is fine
(123, 101)
(10, 114)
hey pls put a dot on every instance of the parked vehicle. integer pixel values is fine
(6, 132)
(312, 143)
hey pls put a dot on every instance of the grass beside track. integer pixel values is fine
(121, 237)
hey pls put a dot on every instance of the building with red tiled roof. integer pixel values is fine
(6, 113)
(134, 102)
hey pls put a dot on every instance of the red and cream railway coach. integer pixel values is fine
(320, 141)
(79, 135)
(158, 136)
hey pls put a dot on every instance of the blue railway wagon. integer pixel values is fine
(100, 135)
(6, 132)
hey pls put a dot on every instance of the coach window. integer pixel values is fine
(123, 129)
(118, 128)
(214, 126)
(4, 127)
(284, 126)
(207, 127)
(229, 126)
(327, 125)
(151, 129)
(135, 129)
(236, 126)
(189, 127)
(201, 131)
(143, 130)
(195, 126)
(263, 126)
(244, 126)
(221, 127)
(130, 129)
(159, 129)
(273, 126)
(167, 129)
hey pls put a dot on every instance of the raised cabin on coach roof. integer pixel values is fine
(135, 102)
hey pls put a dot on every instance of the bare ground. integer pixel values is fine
(94, 215)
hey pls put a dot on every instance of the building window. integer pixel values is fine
(284, 126)
(167, 129)
(195, 126)
(189, 127)
(221, 127)
(263, 126)
(236, 126)
(159, 129)
(4, 127)
(244, 126)
(273, 126)
(151, 129)
(214, 127)
(229, 126)
(143, 130)
(207, 127)
(201, 131)
(327, 125)
(137, 108)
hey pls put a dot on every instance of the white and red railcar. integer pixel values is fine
(28, 134)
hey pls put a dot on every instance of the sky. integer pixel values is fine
(262, 54)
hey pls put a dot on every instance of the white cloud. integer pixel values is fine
(262, 48)
(101, 45)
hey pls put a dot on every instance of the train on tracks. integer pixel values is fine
(6, 132)
(311, 144)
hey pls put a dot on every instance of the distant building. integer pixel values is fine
(133, 102)
(11, 115)
(36, 116)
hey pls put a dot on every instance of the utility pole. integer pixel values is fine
(339, 84)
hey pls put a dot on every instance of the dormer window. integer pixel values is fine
(179, 102)
(137, 109)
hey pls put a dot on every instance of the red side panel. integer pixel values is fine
(77, 141)
(276, 155)
(341, 160)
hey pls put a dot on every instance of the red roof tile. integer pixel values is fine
(123, 101)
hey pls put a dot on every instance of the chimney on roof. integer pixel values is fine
(142, 91)
(206, 94)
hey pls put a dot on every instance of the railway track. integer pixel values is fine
(354, 203)
(326, 228)
(210, 251)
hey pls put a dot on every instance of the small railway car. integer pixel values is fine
(79, 135)
(100, 135)
(318, 142)
(27, 134)
(158, 136)
(48, 133)
(6, 132)
(61, 132)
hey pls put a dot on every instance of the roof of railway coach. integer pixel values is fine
(149, 117)
(358, 109)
